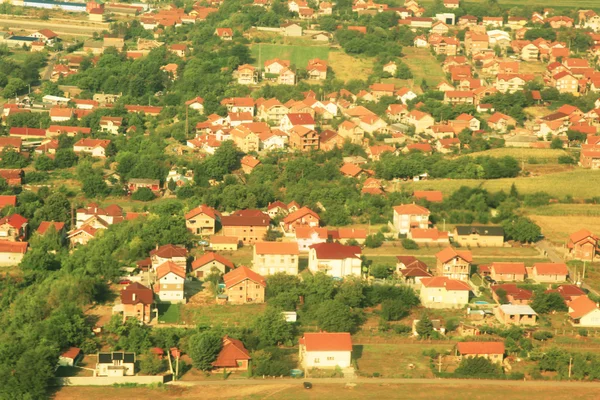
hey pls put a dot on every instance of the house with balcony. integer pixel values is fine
(408, 216)
(275, 257)
(335, 259)
(454, 264)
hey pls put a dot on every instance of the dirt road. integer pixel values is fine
(61, 28)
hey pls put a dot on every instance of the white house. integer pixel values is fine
(117, 363)
(408, 216)
(584, 312)
(275, 257)
(306, 236)
(95, 147)
(197, 104)
(443, 292)
(326, 350)
(335, 259)
(170, 279)
(111, 124)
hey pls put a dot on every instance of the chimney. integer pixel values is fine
(156, 246)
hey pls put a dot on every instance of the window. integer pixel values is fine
(330, 358)
(317, 360)
(241, 288)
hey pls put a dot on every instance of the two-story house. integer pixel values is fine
(508, 271)
(335, 259)
(13, 228)
(302, 217)
(408, 216)
(583, 245)
(325, 350)
(202, 220)
(210, 262)
(275, 257)
(170, 282)
(454, 264)
(248, 229)
(443, 292)
(136, 302)
(243, 286)
(168, 252)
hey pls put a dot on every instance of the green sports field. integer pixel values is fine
(298, 55)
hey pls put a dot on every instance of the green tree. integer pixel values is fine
(335, 316)
(479, 367)
(151, 364)
(544, 303)
(522, 229)
(65, 158)
(424, 327)
(203, 348)
(556, 143)
(393, 310)
(44, 163)
(374, 241)
(272, 328)
(143, 194)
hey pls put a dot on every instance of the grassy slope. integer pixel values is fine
(298, 55)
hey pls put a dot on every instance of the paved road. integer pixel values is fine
(341, 381)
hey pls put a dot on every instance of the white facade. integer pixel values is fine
(171, 288)
(403, 222)
(325, 359)
(336, 268)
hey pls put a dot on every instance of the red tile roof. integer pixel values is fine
(233, 350)
(512, 290)
(335, 251)
(411, 209)
(480, 348)
(210, 257)
(350, 169)
(581, 306)
(327, 341)
(509, 268)
(71, 353)
(44, 225)
(434, 196)
(240, 274)
(169, 251)
(299, 214)
(551, 268)
(242, 220)
(169, 267)
(202, 209)
(7, 246)
(352, 233)
(136, 293)
(14, 220)
(224, 240)
(8, 200)
(445, 282)
(449, 253)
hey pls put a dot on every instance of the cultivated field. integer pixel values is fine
(423, 65)
(521, 154)
(579, 183)
(454, 390)
(559, 4)
(558, 228)
(298, 55)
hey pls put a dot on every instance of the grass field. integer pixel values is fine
(347, 67)
(225, 315)
(423, 65)
(455, 390)
(298, 55)
(579, 183)
(560, 4)
(169, 313)
(562, 210)
(540, 155)
(558, 228)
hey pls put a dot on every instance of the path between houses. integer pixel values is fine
(342, 381)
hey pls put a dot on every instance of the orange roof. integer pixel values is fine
(167, 267)
(233, 350)
(276, 248)
(445, 282)
(210, 257)
(71, 353)
(350, 169)
(250, 161)
(7, 246)
(509, 267)
(434, 196)
(299, 214)
(449, 253)
(551, 268)
(327, 341)
(335, 251)
(411, 209)
(202, 209)
(480, 348)
(240, 274)
(581, 306)
(430, 233)
(8, 200)
(581, 235)
(169, 251)
(224, 240)
(305, 232)
(45, 225)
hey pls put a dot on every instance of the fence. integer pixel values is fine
(110, 380)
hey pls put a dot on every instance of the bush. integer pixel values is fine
(542, 335)
(402, 329)
(143, 194)
(374, 241)
(583, 332)
(478, 367)
(393, 310)
(409, 244)
(566, 160)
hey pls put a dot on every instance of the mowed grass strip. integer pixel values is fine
(579, 183)
(521, 154)
(423, 66)
(297, 55)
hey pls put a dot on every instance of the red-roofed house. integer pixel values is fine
(170, 279)
(411, 268)
(95, 147)
(8, 201)
(408, 216)
(443, 292)
(325, 350)
(13, 228)
(11, 253)
(302, 217)
(175, 254)
(45, 225)
(429, 235)
(136, 302)
(584, 312)
(493, 351)
(275, 257)
(583, 245)
(232, 357)
(248, 163)
(549, 272)
(204, 265)
(508, 271)
(202, 220)
(454, 264)
(335, 259)
(432, 196)
(224, 33)
(513, 294)
(307, 236)
(590, 156)
(242, 286)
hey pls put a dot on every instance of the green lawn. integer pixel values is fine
(169, 313)
(423, 65)
(225, 315)
(539, 155)
(297, 55)
(561, 4)
(579, 183)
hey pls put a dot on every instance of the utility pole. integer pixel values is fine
(440, 363)
(570, 366)
(583, 274)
